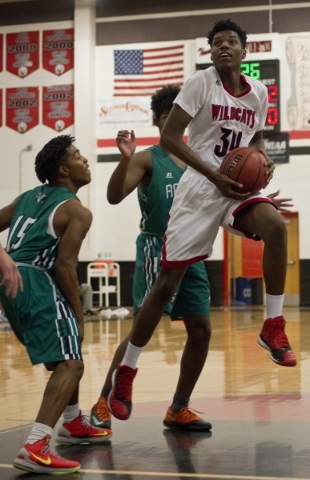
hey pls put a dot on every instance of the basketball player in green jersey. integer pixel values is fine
(47, 226)
(156, 173)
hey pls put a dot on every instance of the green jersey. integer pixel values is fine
(193, 296)
(156, 203)
(31, 238)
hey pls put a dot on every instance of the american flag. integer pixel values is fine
(142, 72)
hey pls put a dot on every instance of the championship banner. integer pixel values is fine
(58, 106)
(22, 108)
(22, 53)
(1, 96)
(57, 51)
(1, 52)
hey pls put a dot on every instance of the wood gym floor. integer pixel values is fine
(260, 412)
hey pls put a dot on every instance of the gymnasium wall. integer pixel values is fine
(139, 24)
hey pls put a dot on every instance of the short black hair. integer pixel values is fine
(227, 25)
(51, 157)
(163, 99)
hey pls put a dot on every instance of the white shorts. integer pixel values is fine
(198, 211)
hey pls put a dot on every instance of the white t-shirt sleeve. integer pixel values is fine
(193, 94)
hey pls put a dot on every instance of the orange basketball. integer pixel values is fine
(246, 165)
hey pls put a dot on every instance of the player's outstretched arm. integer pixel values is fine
(71, 222)
(11, 277)
(131, 169)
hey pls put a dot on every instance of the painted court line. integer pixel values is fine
(177, 474)
(14, 429)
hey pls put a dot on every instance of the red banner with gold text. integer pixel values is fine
(58, 106)
(22, 53)
(22, 108)
(57, 51)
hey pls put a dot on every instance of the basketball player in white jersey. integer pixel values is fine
(222, 110)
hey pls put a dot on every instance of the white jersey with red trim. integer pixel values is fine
(221, 121)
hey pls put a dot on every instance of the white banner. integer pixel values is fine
(298, 58)
(124, 112)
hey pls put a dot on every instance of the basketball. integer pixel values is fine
(246, 165)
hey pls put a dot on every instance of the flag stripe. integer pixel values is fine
(129, 80)
(158, 85)
(162, 49)
(154, 72)
(140, 93)
(158, 64)
(142, 72)
(164, 56)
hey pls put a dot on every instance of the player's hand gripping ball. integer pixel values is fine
(247, 166)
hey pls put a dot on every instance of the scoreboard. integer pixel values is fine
(267, 72)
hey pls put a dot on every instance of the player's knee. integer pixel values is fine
(75, 368)
(79, 369)
(276, 232)
(199, 330)
(204, 331)
(168, 281)
(69, 368)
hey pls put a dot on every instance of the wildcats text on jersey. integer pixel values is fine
(224, 112)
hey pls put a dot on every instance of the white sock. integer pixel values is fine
(131, 355)
(274, 305)
(71, 412)
(38, 432)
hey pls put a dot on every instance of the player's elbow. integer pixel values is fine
(113, 199)
(113, 202)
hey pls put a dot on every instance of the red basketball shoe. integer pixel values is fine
(81, 431)
(119, 399)
(38, 458)
(273, 338)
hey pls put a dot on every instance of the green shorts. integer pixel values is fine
(42, 319)
(193, 295)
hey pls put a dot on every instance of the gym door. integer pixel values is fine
(243, 257)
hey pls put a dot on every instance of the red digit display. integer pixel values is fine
(273, 116)
(273, 93)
